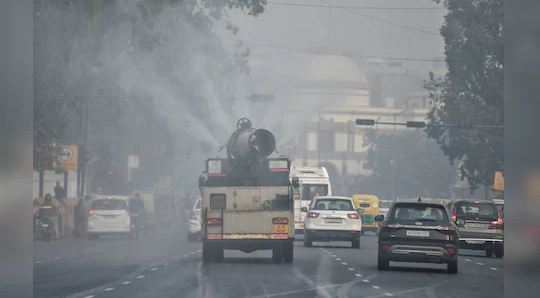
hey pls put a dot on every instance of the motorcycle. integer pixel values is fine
(46, 228)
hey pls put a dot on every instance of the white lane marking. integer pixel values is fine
(388, 294)
(468, 260)
(334, 256)
(127, 282)
(365, 280)
(344, 264)
(108, 289)
(140, 276)
(38, 262)
(338, 259)
(89, 296)
(56, 258)
(154, 269)
(321, 291)
(166, 264)
(358, 275)
(493, 268)
(481, 264)
(350, 269)
(376, 287)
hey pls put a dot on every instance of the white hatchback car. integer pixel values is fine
(109, 215)
(332, 219)
(194, 222)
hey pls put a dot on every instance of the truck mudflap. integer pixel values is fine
(282, 249)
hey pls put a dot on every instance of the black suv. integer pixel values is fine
(420, 231)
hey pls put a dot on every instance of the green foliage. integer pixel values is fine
(471, 93)
(420, 168)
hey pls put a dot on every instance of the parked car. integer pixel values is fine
(110, 215)
(332, 218)
(480, 224)
(418, 230)
(194, 222)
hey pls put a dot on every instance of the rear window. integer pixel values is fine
(471, 210)
(333, 204)
(408, 214)
(309, 191)
(109, 204)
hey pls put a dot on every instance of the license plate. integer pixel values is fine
(280, 229)
(413, 233)
(476, 226)
(332, 220)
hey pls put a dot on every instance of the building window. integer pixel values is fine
(340, 142)
(326, 141)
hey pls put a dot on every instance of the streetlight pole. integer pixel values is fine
(394, 153)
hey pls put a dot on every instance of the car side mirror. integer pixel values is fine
(379, 218)
(303, 209)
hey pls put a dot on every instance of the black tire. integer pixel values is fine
(489, 252)
(355, 243)
(499, 251)
(382, 263)
(288, 252)
(307, 241)
(452, 267)
(277, 254)
(207, 254)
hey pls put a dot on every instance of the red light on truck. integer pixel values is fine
(280, 221)
(214, 221)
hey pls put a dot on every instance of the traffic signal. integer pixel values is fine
(416, 124)
(368, 122)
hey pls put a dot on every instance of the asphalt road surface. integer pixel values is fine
(162, 264)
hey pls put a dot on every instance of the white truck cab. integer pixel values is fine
(314, 182)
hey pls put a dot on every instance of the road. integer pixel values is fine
(162, 264)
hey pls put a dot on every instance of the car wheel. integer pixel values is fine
(288, 252)
(307, 242)
(277, 254)
(489, 252)
(382, 263)
(356, 243)
(452, 266)
(499, 251)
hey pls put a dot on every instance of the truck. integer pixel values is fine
(246, 198)
(313, 181)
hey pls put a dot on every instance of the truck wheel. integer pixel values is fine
(499, 251)
(218, 254)
(356, 243)
(277, 254)
(453, 267)
(206, 253)
(382, 263)
(307, 242)
(288, 250)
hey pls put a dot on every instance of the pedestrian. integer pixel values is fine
(59, 191)
(78, 211)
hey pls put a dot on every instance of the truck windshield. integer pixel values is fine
(309, 191)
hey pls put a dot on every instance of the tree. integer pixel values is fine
(471, 92)
(420, 168)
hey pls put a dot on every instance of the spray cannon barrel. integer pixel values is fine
(249, 143)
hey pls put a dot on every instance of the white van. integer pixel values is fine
(314, 182)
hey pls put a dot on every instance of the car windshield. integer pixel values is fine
(309, 191)
(333, 204)
(109, 204)
(412, 213)
(476, 211)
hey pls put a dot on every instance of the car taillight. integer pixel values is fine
(451, 250)
(313, 214)
(280, 221)
(384, 247)
(447, 230)
(390, 227)
(353, 215)
(499, 222)
(90, 212)
(214, 221)
(454, 215)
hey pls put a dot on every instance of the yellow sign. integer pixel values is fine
(280, 229)
(498, 183)
(67, 157)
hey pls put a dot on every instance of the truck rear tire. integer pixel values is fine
(288, 252)
(499, 251)
(277, 254)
